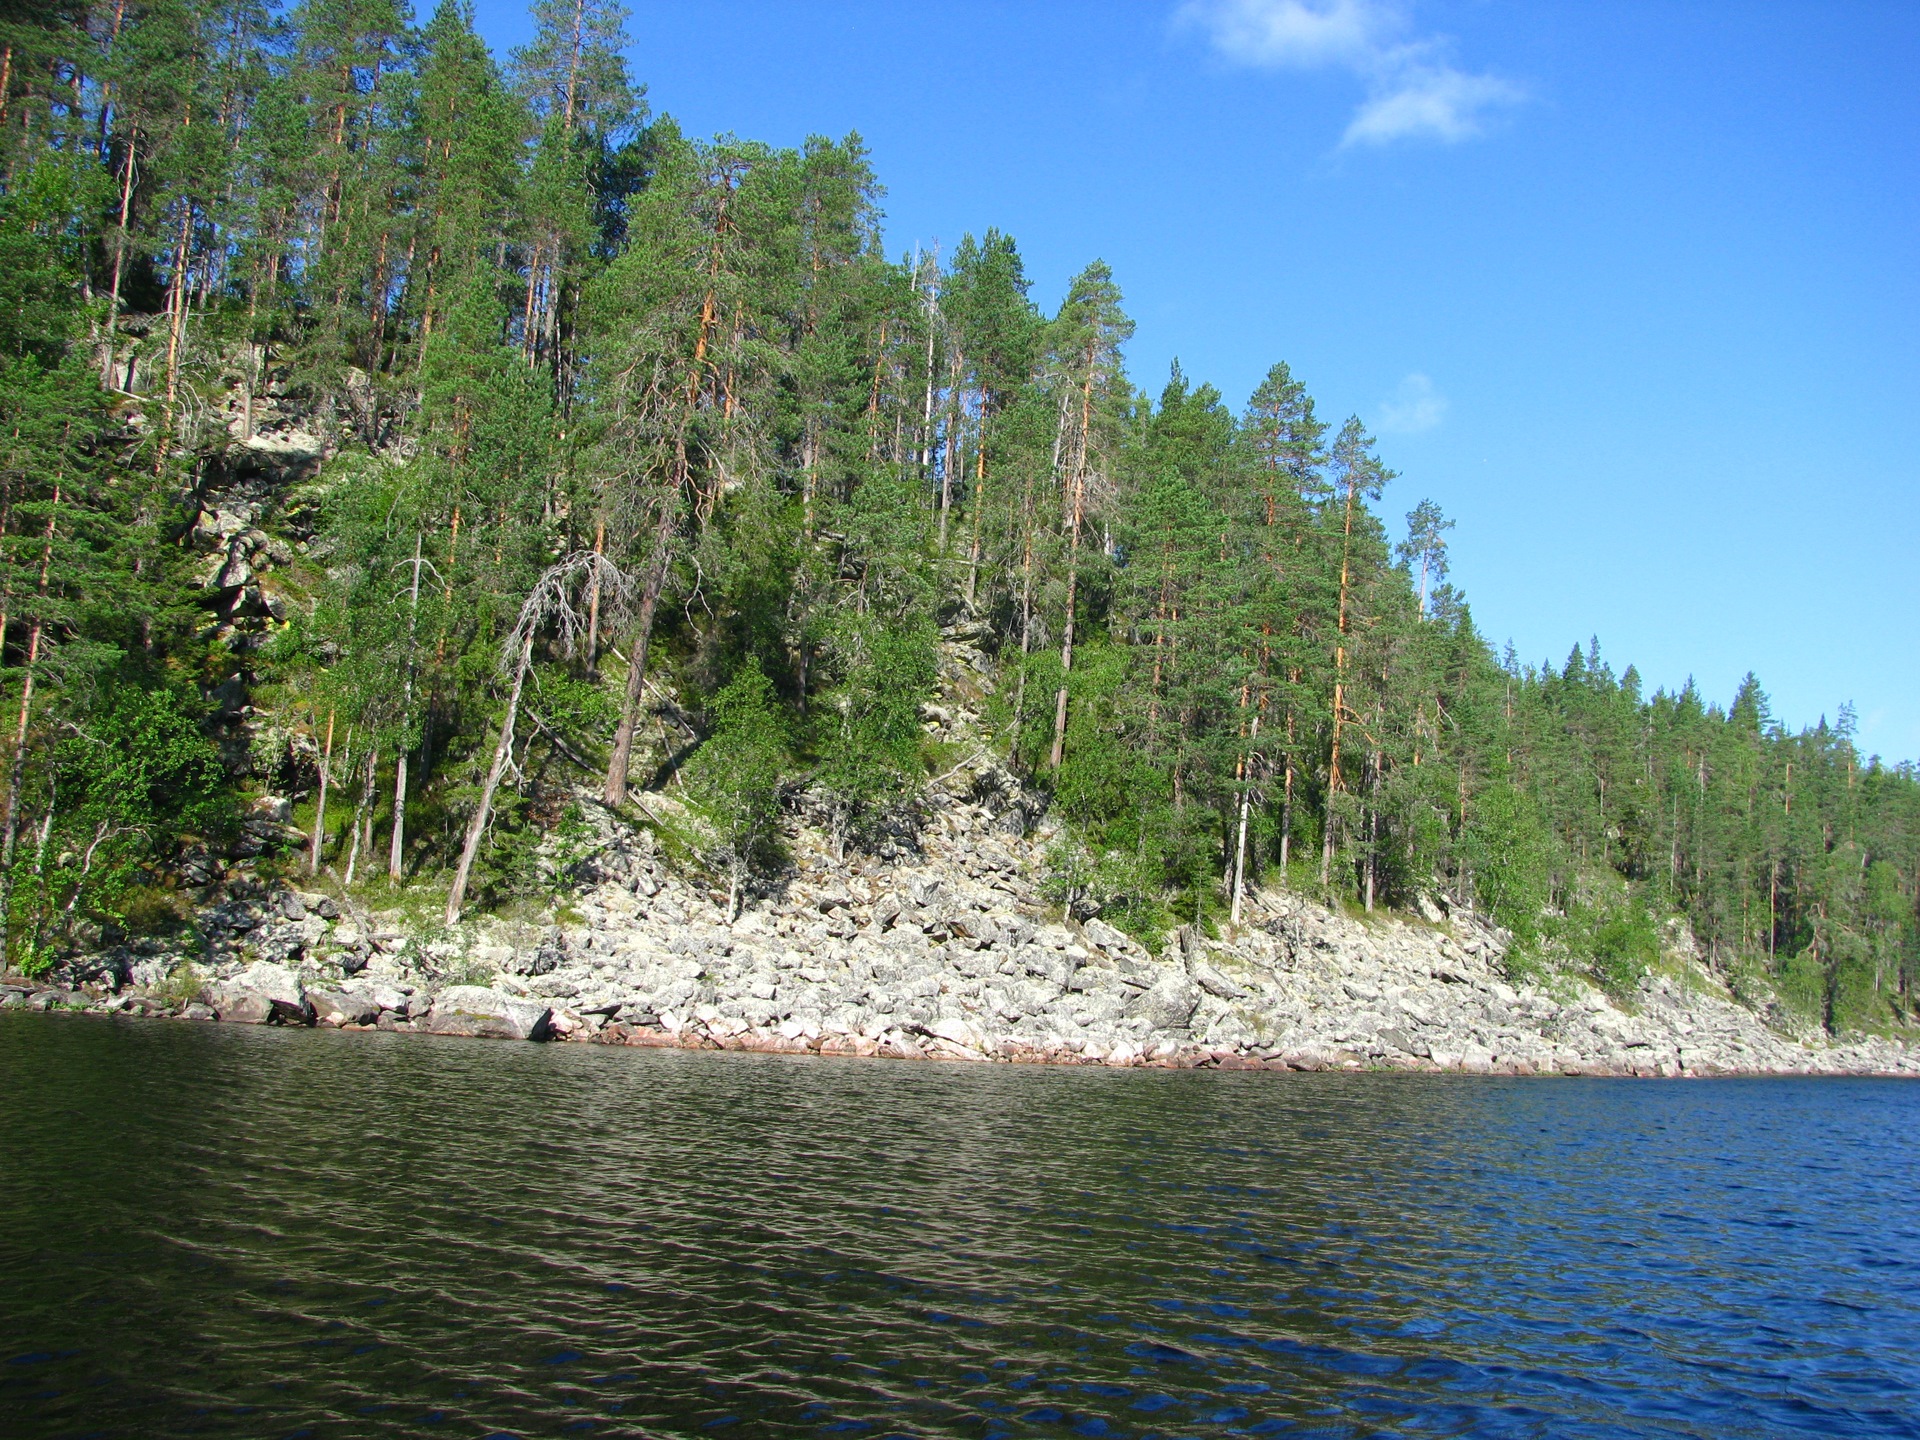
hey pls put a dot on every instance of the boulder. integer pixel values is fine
(956, 1031)
(242, 1007)
(235, 573)
(383, 996)
(263, 992)
(1192, 947)
(332, 1007)
(278, 983)
(1098, 932)
(472, 1010)
(1214, 983)
(1169, 1005)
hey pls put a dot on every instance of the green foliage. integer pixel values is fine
(1128, 890)
(572, 843)
(120, 789)
(1800, 982)
(42, 236)
(1104, 780)
(1508, 850)
(867, 727)
(183, 985)
(1617, 942)
(528, 322)
(509, 864)
(571, 705)
(735, 778)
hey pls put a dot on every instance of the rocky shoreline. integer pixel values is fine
(1617, 1044)
(941, 943)
(945, 952)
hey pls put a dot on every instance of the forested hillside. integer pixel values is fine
(569, 445)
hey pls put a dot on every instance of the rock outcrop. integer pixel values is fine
(953, 954)
(939, 944)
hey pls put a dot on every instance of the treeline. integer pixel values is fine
(648, 462)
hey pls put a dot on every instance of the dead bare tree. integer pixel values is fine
(552, 601)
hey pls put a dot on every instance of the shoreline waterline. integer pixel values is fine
(930, 1047)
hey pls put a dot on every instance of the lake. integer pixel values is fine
(225, 1231)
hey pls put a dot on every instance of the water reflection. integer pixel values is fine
(222, 1231)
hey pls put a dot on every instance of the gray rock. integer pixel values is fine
(233, 574)
(334, 1007)
(1214, 983)
(1169, 1005)
(242, 1007)
(379, 994)
(281, 986)
(1192, 947)
(261, 993)
(1391, 1039)
(472, 1010)
(1098, 932)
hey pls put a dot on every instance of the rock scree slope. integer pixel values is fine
(947, 951)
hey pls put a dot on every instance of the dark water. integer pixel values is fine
(211, 1230)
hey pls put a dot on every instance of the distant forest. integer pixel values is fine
(623, 430)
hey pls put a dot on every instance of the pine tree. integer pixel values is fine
(527, 324)
(1358, 474)
(1087, 336)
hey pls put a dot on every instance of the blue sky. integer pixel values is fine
(1631, 290)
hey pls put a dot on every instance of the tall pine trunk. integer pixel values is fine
(1339, 691)
(1066, 642)
(639, 638)
(119, 254)
(320, 807)
(477, 827)
(396, 849)
(979, 505)
(18, 768)
(593, 603)
(363, 813)
(1246, 805)
(1077, 515)
(176, 333)
(1286, 796)
(952, 449)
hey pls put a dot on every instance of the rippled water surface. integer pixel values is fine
(213, 1230)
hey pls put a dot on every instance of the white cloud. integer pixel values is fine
(1297, 33)
(1429, 100)
(1414, 91)
(1413, 407)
